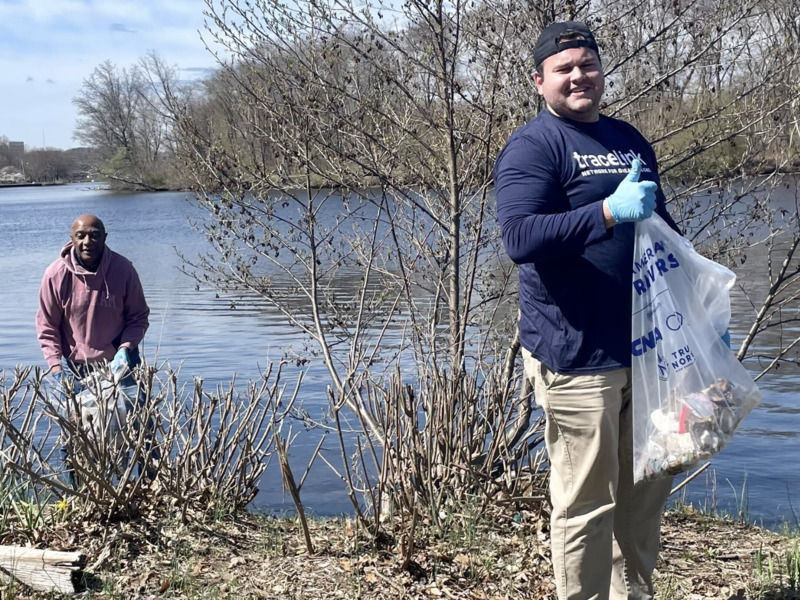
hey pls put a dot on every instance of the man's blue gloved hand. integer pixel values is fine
(66, 381)
(121, 364)
(58, 398)
(726, 337)
(633, 200)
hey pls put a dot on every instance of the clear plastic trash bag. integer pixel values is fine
(99, 402)
(104, 409)
(690, 393)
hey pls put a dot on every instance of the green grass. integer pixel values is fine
(778, 574)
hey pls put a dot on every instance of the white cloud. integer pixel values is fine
(42, 12)
(64, 40)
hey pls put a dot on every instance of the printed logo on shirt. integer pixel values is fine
(88, 298)
(107, 301)
(610, 163)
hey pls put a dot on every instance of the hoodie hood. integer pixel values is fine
(72, 263)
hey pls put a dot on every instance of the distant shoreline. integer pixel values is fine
(38, 184)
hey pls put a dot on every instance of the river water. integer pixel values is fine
(193, 328)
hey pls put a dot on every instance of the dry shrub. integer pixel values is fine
(192, 451)
(452, 450)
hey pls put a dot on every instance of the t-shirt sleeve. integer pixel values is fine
(536, 219)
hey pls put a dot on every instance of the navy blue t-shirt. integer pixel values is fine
(574, 274)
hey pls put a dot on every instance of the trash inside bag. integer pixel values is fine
(103, 409)
(99, 403)
(690, 393)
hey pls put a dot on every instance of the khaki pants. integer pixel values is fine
(604, 532)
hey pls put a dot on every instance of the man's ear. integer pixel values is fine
(538, 80)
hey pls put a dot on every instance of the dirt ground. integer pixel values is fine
(266, 558)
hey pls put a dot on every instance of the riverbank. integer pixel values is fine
(35, 184)
(504, 557)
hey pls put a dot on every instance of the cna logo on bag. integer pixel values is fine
(611, 162)
(647, 342)
(677, 360)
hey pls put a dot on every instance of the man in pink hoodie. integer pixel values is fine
(91, 310)
(91, 304)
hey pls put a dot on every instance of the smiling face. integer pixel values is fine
(88, 235)
(572, 83)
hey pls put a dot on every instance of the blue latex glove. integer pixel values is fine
(67, 381)
(121, 364)
(726, 337)
(61, 394)
(633, 200)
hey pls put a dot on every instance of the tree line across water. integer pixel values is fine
(711, 83)
(46, 165)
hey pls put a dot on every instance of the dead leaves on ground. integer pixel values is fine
(263, 558)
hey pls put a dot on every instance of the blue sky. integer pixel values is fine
(48, 47)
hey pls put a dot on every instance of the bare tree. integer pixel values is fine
(349, 152)
(48, 165)
(6, 157)
(344, 154)
(118, 119)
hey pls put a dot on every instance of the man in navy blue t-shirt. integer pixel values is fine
(570, 185)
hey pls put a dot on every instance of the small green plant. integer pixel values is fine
(30, 515)
(742, 502)
(778, 576)
(11, 590)
(793, 567)
(180, 578)
(759, 560)
(670, 589)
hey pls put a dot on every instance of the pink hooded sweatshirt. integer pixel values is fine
(85, 316)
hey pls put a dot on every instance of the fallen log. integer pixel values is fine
(44, 570)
